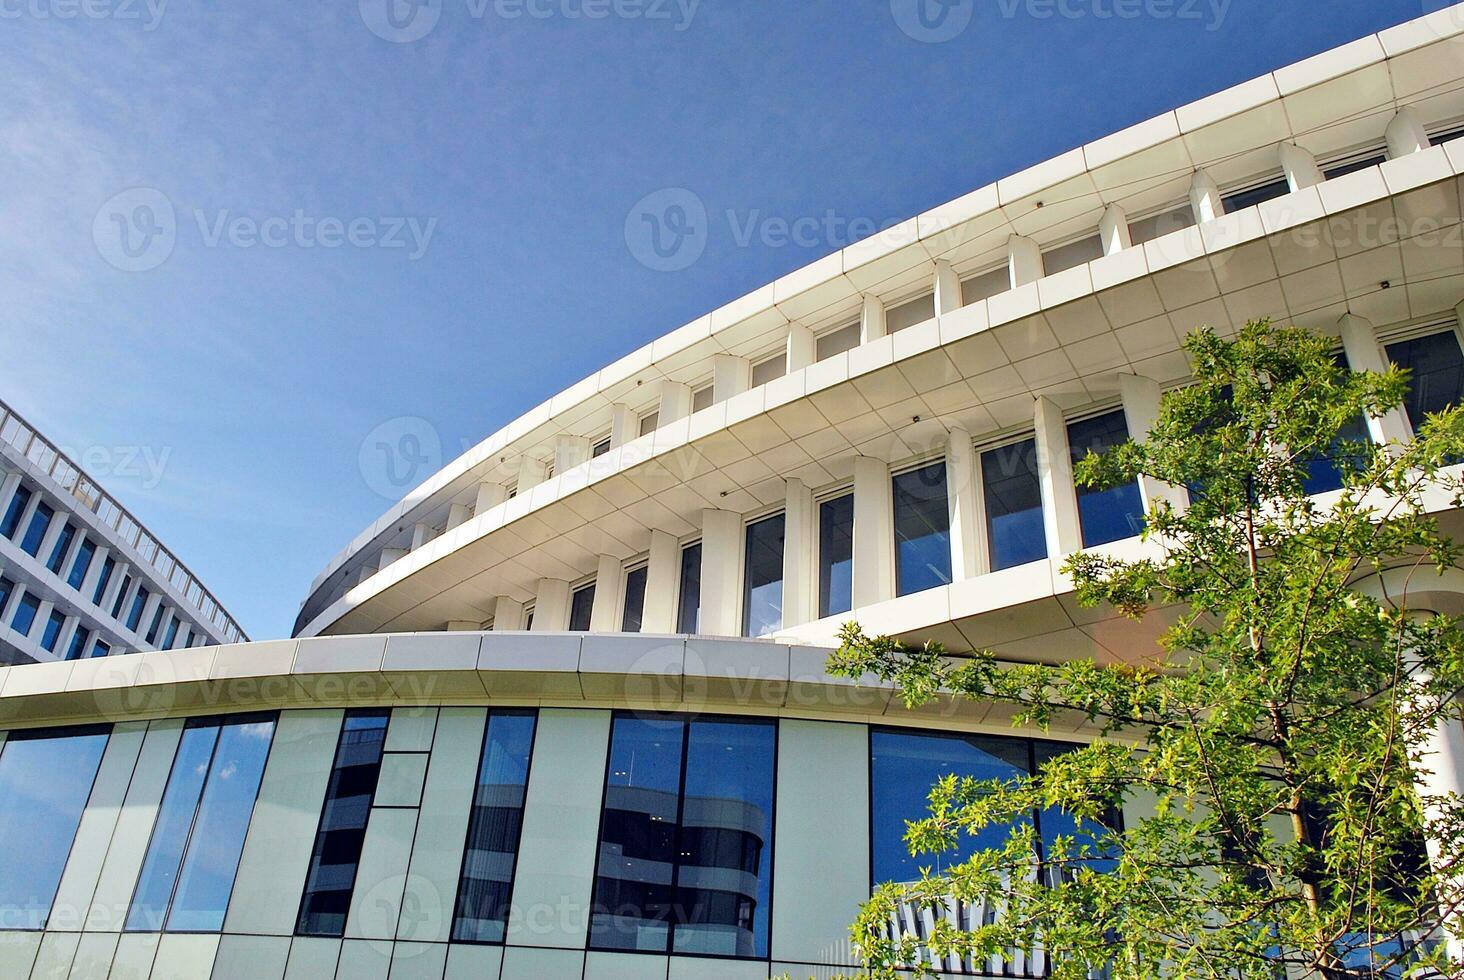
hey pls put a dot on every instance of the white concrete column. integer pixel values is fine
(389, 555)
(607, 611)
(1024, 260)
(149, 610)
(551, 606)
(872, 325)
(1406, 134)
(963, 497)
(52, 535)
(624, 425)
(947, 288)
(802, 348)
(508, 614)
(663, 570)
(730, 376)
(569, 452)
(1300, 167)
(800, 556)
(119, 575)
(68, 632)
(8, 486)
(874, 533)
(1141, 397)
(421, 534)
(675, 402)
(94, 573)
(531, 473)
(721, 578)
(26, 515)
(1364, 353)
(490, 495)
(1204, 197)
(458, 514)
(365, 573)
(1055, 475)
(1113, 230)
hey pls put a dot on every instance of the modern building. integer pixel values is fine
(562, 713)
(81, 577)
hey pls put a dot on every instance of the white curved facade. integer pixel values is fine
(468, 765)
(1323, 195)
(81, 577)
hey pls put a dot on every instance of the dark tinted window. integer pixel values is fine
(51, 635)
(1437, 368)
(76, 649)
(139, 603)
(635, 600)
(688, 605)
(13, 513)
(1256, 195)
(581, 606)
(338, 842)
(1013, 495)
(1115, 513)
(836, 555)
(84, 555)
(108, 567)
(685, 860)
(762, 601)
(922, 530)
(62, 547)
(494, 828)
(198, 836)
(35, 533)
(45, 781)
(25, 614)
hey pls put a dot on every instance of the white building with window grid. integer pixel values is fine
(80, 577)
(562, 713)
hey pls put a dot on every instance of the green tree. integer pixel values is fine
(1275, 738)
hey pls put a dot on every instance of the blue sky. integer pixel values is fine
(222, 379)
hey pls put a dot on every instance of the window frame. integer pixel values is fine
(835, 493)
(1077, 418)
(687, 719)
(895, 472)
(641, 564)
(979, 450)
(682, 548)
(748, 521)
(1418, 329)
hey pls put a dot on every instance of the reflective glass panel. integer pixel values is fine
(1115, 513)
(762, 606)
(688, 604)
(922, 530)
(1013, 497)
(635, 600)
(836, 555)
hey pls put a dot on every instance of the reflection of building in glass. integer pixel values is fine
(713, 898)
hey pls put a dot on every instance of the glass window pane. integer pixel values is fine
(635, 600)
(904, 766)
(769, 370)
(207, 878)
(25, 614)
(84, 555)
(762, 605)
(61, 548)
(1256, 195)
(1054, 823)
(494, 829)
(688, 604)
(121, 596)
(1013, 496)
(337, 851)
(15, 511)
(76, 649)
(40, 814)
(170, 830)
(35, 533)
(52, 633)
(724, 876)
(581, 606)
(836, 556)
(922, 530)
(909, 314)
(1438, 373)
(634, 890)
(702, 398)
(108, 567)
(139, 603)
(1115, 513)
(836, 342)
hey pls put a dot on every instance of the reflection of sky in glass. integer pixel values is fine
(1438, 373)
(922, 530)
(904, 768)
(40, 814)
(1115, 513)
(763, 607)
(1013, 505)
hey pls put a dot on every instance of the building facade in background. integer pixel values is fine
(80, 577)
(562, 713)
